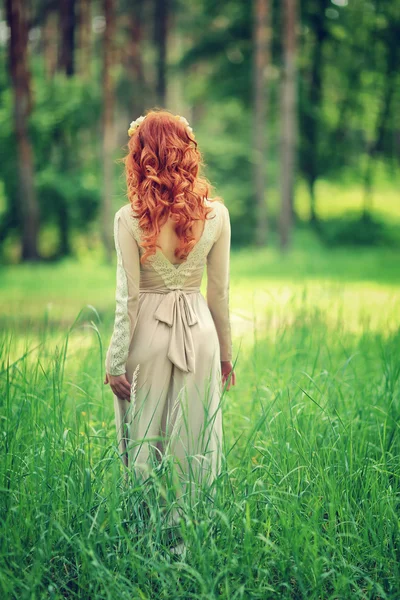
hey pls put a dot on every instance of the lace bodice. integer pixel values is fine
(158, 272)
(175, 276)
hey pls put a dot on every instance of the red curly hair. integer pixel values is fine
(162, 169)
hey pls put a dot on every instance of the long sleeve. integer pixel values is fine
(218, 260)
(126, 296)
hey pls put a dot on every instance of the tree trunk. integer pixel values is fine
(108, 125)
(313, 201)
(64, 246)
(262, 40)
(50, 43)
(133, 51)
(138, 93)
(161, 8)
(18, 56)
(176, 82)
(85, 38)
(67, 36)
(288, 122)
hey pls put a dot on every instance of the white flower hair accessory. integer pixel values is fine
(135, 124)
(185, 121)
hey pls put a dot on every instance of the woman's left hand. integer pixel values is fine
(228, 374)
(119, 385)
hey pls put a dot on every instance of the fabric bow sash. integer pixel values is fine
(175, 310)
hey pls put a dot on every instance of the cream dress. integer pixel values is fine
(169, 340)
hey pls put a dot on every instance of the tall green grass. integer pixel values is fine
(307, 504)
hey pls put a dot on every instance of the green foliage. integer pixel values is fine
(225, 142)
(353, 230)
(79, 195)
(64, 121)
(63, 129)
(221, 43)
(65, 107)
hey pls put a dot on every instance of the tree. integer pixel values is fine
(50, 42)
(67, 23)
(161, 8)
(85, 27)
(18, 60)
(261, 35)
(134, 91)
(288, 121)
(108, 124)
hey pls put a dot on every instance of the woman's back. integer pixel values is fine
(168, 240)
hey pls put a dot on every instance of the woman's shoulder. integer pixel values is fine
(219, 217)
(125, 211)
(218, 205)
(220, 212)
(126, 214)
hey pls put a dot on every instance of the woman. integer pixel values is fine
(171, 350)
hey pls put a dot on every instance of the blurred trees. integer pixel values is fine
(96, 65)
(340, 67)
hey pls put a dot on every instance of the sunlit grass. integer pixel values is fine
(336, 198)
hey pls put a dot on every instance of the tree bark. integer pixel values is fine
(18, 59)
(138, 93)
(311, 181)
(85, 38)
(67, 35)
(176, 82)
(133, 52)
(108, 125)
(50, 43)
(262, 41)
(288, 122)
(161, 8)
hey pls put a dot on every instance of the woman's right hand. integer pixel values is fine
(228, 374)
(119, 385)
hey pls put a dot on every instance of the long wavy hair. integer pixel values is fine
(163, 176)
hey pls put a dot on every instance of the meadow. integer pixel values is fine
(307, 505)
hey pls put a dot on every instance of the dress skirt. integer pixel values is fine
(175, 371)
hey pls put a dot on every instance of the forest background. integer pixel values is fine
(295, 108)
